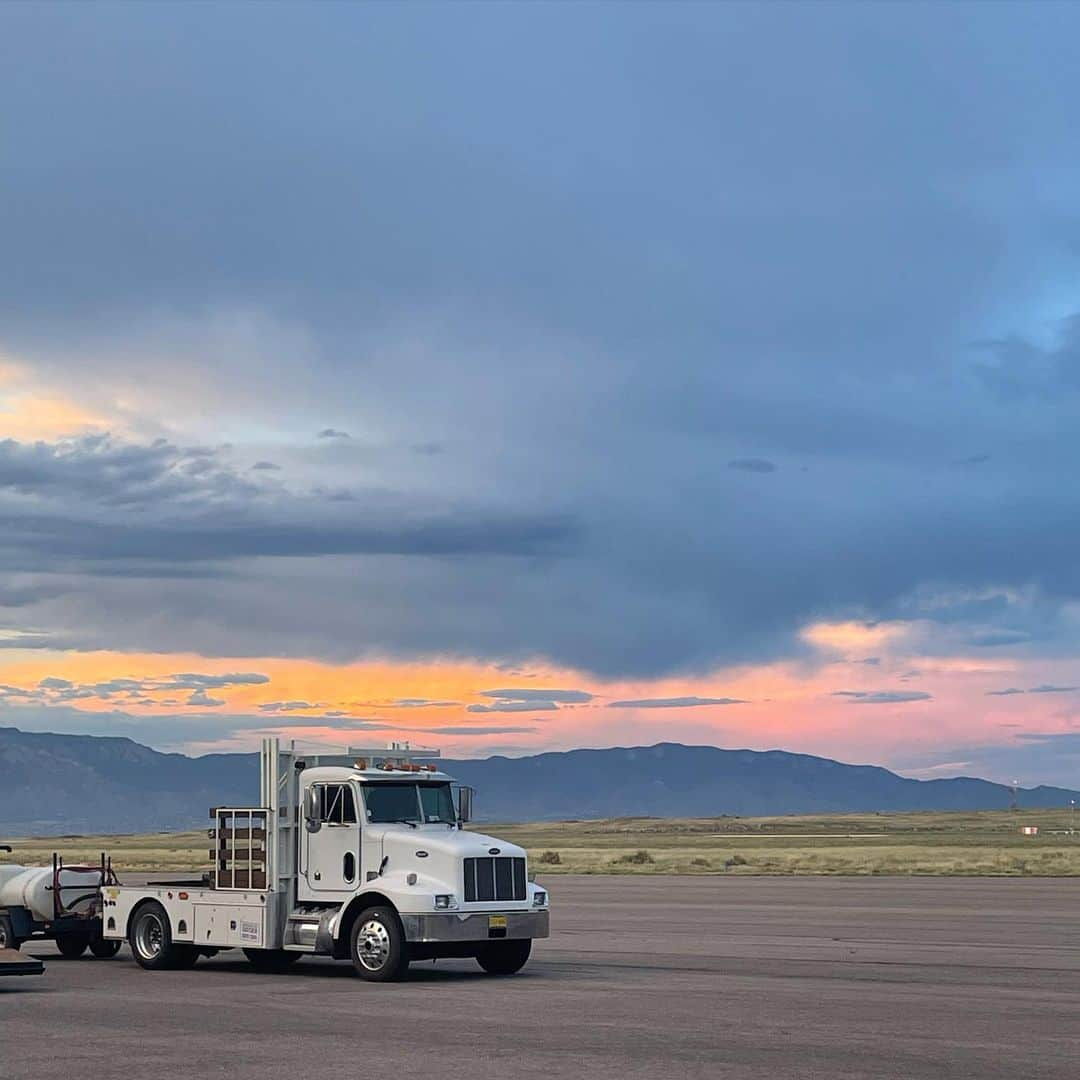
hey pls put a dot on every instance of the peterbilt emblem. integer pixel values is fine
(421, 854)
(494, 850)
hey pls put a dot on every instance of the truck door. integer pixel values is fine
(332, 862)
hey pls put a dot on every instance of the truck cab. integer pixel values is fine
(360, 855)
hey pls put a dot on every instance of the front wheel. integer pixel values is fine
(505, 957)
(377, 945)
(150, 938)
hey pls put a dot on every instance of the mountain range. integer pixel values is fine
(56, 784)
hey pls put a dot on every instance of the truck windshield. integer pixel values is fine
(417, 803)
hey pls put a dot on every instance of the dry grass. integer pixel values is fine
(959, 843)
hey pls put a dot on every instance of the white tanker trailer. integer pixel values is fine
(60, 903)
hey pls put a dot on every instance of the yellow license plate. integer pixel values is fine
(496, 922)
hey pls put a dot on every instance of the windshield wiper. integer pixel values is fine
(403, 821)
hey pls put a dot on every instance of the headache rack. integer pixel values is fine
(239, 854)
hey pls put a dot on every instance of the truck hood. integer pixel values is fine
(437, 840)
(436, 856)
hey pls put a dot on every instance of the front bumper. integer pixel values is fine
(452, 926)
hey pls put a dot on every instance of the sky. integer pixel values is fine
(521, 377)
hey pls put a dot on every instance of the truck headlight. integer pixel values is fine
(539, 899)
(445, 902)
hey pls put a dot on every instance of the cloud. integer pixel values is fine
(201, 697)
(265, 466)
(753, 465)
(563, 697)
(539, 705)
(291, 706)
(54, 690)
(420, 703)
(1047, 688)
(882, 697)
(1004, 693)
(332, 433)
(53, 683)
(673, 703)
(582, 504)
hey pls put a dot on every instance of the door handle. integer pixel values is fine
(318, 876)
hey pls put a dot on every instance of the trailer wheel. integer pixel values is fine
(272, 961)
(8, 940)
(377, 945)
(505, 957)
(150, 938)
(72, 946)
(104, 948)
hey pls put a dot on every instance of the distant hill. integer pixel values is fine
(52, 784)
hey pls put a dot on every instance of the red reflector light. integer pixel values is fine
(183, 896)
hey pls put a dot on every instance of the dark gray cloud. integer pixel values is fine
(433, 281)
(265, 466)
(882, 697)
(332, 433)
(674, 703)
(1049, 688)
(292, 706)
(1004, 693)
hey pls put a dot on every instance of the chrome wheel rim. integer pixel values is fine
(150, 936)
(4, 942)
(373, 945)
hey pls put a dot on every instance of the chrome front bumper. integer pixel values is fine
(474, 926)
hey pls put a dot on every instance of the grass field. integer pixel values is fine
(953, 843)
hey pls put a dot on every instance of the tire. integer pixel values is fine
(104, 948)
(505, 957)
(272, 961)
(8, 940)
(150, 938)
(72, 946)
(377, 945)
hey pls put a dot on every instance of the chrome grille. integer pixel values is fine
(490, 879)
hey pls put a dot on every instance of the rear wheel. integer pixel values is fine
(377, 945)
(72, 946)
(104, 948)
(8, 940)
(505, 957)
(150, 938)
(272, 960)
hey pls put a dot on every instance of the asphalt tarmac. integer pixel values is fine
(642, 977)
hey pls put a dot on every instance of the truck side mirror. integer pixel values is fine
(312, 818)
(465, 804)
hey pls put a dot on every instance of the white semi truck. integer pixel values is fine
(358, 855)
